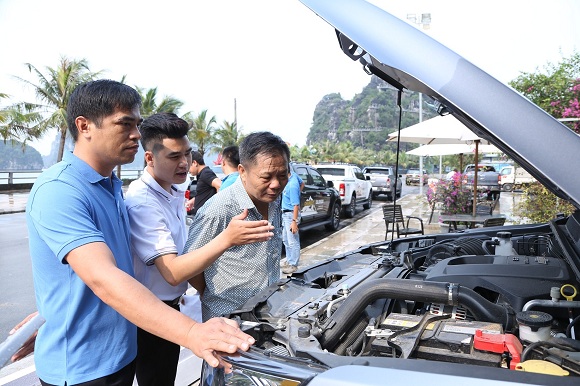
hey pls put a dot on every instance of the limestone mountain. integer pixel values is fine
(368, 118)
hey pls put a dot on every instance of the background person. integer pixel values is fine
(156, 209)
(243, 271)
(207, 183)
(452, 174)
(230, 163)
(81, 258)
(290, 221)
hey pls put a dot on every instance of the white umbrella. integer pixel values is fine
(444, 129)
(452, 148)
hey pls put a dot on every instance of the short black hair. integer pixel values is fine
(97, 99)
(231, 154)
(197, 157)
(157, 127)
(262, 142)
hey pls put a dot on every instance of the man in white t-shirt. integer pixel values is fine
(157, 215)
(451, 174)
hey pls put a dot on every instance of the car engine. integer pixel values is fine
(502, 299)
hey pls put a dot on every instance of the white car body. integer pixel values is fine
(351, 183)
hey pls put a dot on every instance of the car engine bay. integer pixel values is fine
(502, 298)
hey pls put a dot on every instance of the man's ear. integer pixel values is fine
(149, 158)
(242, 172)
(83, 126)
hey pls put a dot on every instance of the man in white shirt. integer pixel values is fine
(157, 214)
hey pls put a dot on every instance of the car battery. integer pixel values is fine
(447, 340)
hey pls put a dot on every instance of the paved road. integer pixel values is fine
(16, 288)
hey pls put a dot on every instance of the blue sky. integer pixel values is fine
(277, 59)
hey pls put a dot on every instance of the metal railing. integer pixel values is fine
(18, 178)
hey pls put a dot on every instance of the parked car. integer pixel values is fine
(319, 201)
(488, 179)
(413, 177)
(383, 180)
(468, 308)
(354, 188)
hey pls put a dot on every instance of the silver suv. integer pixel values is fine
(383, 180)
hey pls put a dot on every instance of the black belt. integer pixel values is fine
(287, 210)
(173, 302)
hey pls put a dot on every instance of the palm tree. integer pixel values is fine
(149, 105)
(53, 91)
(201, 132)
(17, 122)
(227, 135)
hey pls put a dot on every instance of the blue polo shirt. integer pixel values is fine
(229, 179)
(71, 205)
(291, 193)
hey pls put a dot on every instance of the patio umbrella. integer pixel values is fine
(444, 129)
(450, 149)
(441, 149)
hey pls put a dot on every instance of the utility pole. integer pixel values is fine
(235, 114)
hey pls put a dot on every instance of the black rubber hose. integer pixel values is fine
(352, 335)
(542, 343)
(571, 343)
(426, 292)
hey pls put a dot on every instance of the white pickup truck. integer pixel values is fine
(354, 188)
(514, 177)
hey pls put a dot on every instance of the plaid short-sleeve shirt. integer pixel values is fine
(242, 271)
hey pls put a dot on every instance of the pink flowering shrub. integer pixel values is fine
(572, 108)
(453, 196)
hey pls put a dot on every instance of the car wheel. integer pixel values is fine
(507, 187)
(350, 210)
(335, 219)
(369, 201)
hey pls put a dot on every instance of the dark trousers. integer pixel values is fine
(123, 377)
(156, 358)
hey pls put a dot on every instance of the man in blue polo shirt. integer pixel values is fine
(290, 221)
(230, 163)
(81, 256)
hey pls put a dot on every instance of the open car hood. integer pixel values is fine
(408, 59)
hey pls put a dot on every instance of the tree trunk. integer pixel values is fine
(61, 144)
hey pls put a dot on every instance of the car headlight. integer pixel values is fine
(257, 368)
